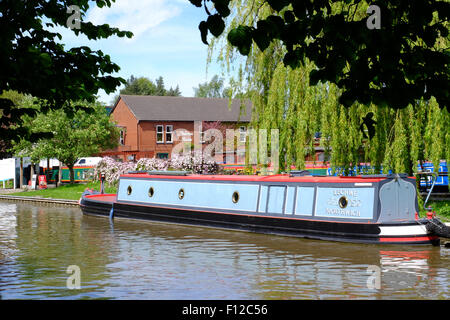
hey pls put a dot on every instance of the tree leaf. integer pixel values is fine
(222, 7)
(278, 5)
(197, 3)
(215, 24)
(203, 26)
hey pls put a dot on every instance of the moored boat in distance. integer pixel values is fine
(365, 209)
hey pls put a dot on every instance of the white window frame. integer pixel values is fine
(169, 130)
(242, 134)
(160, 126)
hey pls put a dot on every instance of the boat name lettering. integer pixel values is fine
(345, 192)
(343, 212)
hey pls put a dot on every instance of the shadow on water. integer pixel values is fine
(129, 259)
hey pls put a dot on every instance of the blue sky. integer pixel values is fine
(167, 42)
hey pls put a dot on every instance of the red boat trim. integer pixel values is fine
(274, 178)
(409, 239)
(100, 195)
(109, 198)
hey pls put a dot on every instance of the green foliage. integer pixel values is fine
(212, 89)
(34, 62)
(404, 60)
(143, 86)
(283, 98)
(69, 138)
(139, 86)
(22, 104)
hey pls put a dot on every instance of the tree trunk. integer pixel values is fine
(72, 173)
(21, 173)
(59, 172)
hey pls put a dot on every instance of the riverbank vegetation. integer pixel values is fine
(67, 192)
(67, 136)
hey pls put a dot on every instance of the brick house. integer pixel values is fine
(148, 123)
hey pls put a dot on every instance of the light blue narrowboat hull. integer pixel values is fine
(377, 209)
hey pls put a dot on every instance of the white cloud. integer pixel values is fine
(137, 16)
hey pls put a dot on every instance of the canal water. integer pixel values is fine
(49, 252)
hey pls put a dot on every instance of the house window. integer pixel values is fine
(242, 134)
(159, 134)
(169, 134)
(162, 155)
(122, 137)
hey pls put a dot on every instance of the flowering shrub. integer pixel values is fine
(149, 164)
(195, 164)
(112, 169)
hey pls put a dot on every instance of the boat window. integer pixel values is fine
(151, 192)
(343, 202)
(181, 194)
(129, 190)
(235, 197)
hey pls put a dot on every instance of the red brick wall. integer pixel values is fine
(147, 135)
(125, 118)
(140, 138)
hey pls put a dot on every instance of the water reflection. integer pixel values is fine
(142, 260)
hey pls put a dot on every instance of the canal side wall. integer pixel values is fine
(64, 202)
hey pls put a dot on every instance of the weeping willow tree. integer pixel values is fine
(283, 99)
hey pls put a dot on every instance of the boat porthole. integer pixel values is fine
(235, 197)
(129, 190)
(343, 202)
(151, 192)
(181, 194)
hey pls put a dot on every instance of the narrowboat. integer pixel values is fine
(364, 209)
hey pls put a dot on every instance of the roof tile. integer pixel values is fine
(147, 108)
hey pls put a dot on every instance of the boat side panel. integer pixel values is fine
(304, 202)
(289, 205)
(216, 195)
(308, 200)
(356, 203)
(277, 195)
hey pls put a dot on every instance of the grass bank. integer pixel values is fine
(74, 191)
(442, 209)
(69, 191)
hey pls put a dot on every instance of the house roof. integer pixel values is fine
(168, 108)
